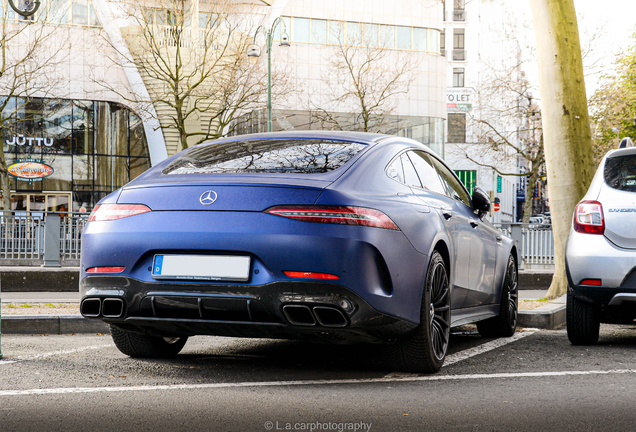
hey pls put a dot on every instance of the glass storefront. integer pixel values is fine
(93, 148)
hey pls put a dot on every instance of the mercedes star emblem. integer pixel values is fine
(208, 197)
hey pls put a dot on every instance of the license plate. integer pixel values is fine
(201, 267)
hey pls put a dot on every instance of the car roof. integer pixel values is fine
(359, 137)
(621, 152)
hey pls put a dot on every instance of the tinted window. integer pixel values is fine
(395, 170)
(266, 156)
(620, 172)
(454, 186)
(427, 173)
(410, 176)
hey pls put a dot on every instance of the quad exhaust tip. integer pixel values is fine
(325, 316)
(106, 308)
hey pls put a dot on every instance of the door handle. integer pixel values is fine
(447, 214)
(474, 224)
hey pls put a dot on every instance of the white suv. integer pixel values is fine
(600, 256)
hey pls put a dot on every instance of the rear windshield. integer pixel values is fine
(266, 156)
(620, 172)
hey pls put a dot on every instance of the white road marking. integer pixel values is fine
(488, 346)
(54, 353)
(308, 382)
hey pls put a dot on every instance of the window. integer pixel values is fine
(266, 156)
(427, 173)
(620, 172)
(456, 128)
(301, 30)
(468, 178)
(404, 37)
(410, 175)
(458, 39)
(319, 31)
(419, 39)
(395, 170)
(455, 188)
(458, 77)
(442, 42)
(459, 4)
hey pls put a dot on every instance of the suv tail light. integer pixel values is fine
(343, 215)
(588, 218)
(108, 212)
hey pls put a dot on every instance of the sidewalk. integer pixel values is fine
(549, 316)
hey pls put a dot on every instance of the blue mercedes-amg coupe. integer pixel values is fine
(327, 236)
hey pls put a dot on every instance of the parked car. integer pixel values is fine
(601, 250)
(325, 236)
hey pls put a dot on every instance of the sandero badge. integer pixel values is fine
(30, 170)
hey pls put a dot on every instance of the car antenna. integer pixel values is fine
(626, 142)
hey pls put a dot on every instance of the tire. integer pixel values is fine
(504, 324)
(583, 321)
(424, 349)
(140, 345)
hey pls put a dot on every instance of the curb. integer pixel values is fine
(548, 317)
(51, 324)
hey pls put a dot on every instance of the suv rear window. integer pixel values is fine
(620, 172)
(306, 156)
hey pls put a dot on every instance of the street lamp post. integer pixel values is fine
(254, 52)
(32, 7)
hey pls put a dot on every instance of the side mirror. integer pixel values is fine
(481, 201)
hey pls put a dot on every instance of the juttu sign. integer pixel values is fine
(29, 170)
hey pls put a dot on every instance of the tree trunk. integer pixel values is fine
(532, 181)
(566, 125)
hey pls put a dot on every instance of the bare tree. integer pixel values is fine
(192, 56)
(567, 135)
(505, 123)
(29, 54)
(364, 80)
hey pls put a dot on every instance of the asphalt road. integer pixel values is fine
(534, 381)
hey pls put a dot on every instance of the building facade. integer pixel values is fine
(85, 131)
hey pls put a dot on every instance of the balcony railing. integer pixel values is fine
(459, 54)
(459, 15)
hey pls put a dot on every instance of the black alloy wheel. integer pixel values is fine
(424, 349)
(504, 324)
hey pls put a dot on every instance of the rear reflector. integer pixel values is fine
(592, 282)
(310, 275)
(342, 215)
(588, 218)
(108, 212)
(105, 269)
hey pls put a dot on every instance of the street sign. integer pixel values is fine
(496, 206)
(498, 184)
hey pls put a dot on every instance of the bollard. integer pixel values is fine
(52, 240)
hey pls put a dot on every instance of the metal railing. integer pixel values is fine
(535, 242)
(23, 237)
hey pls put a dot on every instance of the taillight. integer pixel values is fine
(108, 212)
(588, 218)
(105, 269)
(309, 275)
(343, 215)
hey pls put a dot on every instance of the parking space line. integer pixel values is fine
(54, 353)
(483, 348)
(54, 391)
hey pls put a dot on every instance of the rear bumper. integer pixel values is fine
(290, 310)
(594, 257)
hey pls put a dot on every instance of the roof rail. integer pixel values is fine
(626, 142)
